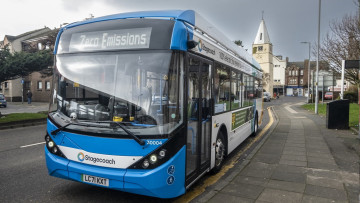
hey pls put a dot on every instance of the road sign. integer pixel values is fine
(351, 64)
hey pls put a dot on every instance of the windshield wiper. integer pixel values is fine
(122, 126)
(138, 140)
(54, 132)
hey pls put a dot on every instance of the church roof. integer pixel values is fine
(262, 36)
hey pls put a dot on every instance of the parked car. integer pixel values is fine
(266, 96)
(328, 95)
(3, 101)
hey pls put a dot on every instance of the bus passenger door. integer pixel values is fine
(199, 117)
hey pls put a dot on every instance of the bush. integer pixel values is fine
(351, 96)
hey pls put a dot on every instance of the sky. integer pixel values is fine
(289, 22)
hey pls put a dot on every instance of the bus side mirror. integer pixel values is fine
(191, 44)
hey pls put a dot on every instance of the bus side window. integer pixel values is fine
(222, 88)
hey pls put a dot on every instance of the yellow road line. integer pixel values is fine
(213, 179)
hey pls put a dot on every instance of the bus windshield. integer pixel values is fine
(141, 89)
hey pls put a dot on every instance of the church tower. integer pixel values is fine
(262, 52)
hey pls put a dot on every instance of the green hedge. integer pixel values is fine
(351, 96)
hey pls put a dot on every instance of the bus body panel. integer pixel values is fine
(179, 37)
(57, 166)
(235, 136)
(165, 181)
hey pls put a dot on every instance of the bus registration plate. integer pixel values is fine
(95, 180)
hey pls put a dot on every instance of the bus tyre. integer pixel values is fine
(256, 126)
(220, 150)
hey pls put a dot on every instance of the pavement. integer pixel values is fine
(18, 107)
(299, 160)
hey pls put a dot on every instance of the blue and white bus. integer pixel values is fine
(148, 102)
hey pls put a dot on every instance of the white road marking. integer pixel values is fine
(290, 109)
(32, 144)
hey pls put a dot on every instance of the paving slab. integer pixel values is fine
(228, 198)
(279, 196)
(290, 169)
(290, 177)
(314, 199)
(322, 165)
(288, 186)
(335, 175)
(293, 157)
(243, 190)
(324, 182)
(329, 160)
(293, 162)
(325, 192)
(251, 180)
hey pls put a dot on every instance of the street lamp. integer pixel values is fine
(308, 71)
(317, 63)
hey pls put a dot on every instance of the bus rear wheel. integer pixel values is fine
(220, 150)
(256, 125)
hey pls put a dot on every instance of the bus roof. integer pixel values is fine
(189, 16)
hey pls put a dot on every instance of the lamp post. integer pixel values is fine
(317, 63)
(308, 71)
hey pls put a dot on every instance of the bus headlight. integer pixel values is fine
(162, 153)
(145, 164)
(153, 159)
(51, 146)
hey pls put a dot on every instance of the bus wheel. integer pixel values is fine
(220, 149)
(256, 126)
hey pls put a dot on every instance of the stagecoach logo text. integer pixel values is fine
(229, 59)
(111, 39)
(202, 46)
(82, 157)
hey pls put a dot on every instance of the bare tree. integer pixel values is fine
(342, 42)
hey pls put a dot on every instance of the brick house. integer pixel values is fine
(296, 76)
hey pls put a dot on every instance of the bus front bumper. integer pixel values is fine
(159, 182)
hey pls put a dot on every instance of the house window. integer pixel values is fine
(260, 36)
(296, 72)
(301, 81)
(6, 85)
(39, 85)
(301, 72)
(39, 46)
(260, 48)
(289, 73)
(47, 85)
(26, 85)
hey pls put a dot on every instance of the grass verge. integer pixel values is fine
(21, 117)
(353, 117)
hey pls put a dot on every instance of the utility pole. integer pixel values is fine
(317, 64)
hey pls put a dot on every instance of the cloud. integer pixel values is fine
(74, 6)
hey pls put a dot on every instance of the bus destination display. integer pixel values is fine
(111, 40)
